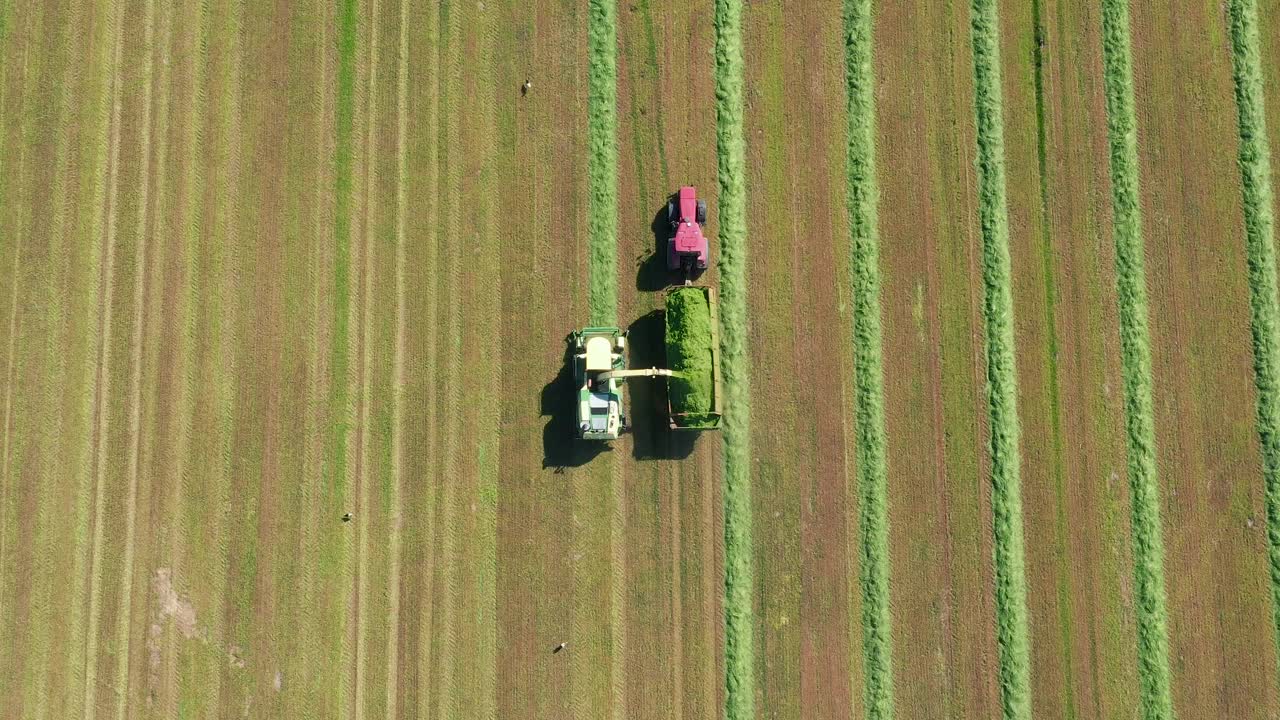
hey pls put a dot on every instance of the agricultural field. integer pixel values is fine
(288, 420)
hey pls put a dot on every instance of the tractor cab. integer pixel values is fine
(687, 250)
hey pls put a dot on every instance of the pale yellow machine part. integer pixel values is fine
(599, 354)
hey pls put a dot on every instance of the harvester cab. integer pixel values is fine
(598, 350)
(599, 366)
(687, 249)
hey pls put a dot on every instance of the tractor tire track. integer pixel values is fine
(677, 611)
(33, 591)
(153, 458)
(141, 287)
(398, 378)
(344, 343)
(228, 239)
(431, 129)
(158, 385)
(364, 512)
(448, 702)
(15, 281)
(103, 395)
(314, 495)
(191, 214)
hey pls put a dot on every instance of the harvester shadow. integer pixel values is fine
(561, 447)
(651, 438)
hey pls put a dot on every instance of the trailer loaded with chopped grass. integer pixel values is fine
(693, 354)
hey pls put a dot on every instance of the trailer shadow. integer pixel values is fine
(651, 438)
(561, 447)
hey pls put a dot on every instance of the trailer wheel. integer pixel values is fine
(702, 212)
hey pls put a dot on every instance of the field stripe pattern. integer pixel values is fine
(1148, 545)
(804, 506)
(667, 506)
(739, 575)
(1204, 394)
(1259, 223)
(1010, 570)
(872, 463)
(1075, 499)
(945, 654)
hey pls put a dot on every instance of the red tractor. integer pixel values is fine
(687, 249)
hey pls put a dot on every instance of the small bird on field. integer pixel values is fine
(346, 517)
(560, 647)
(524, 89)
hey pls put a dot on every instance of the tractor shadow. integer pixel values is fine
(651, 271)
(561, 447)
(651, 438)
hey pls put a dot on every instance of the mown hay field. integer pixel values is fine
(266, 264)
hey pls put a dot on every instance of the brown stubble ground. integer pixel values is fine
(12, 52)
(799, 240)
(124, 250)
(553, 541)
(671, 563)
(264, 401)
(111, 432)
(945, 658)
(477, 172)
(422, 305)
(1074, 494)
(173, 358)
(1223, 660)
(40, 377)
(452, 598)
(377, 203)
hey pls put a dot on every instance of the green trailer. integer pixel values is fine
(695, 388)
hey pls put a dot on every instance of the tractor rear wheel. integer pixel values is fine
(702, 212)
(671, 212)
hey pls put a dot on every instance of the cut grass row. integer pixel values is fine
(1148, 545)
(602, 282)
(731, 167)
(1006, 491)
(872, 466)
(1255, 181)
(602, 161)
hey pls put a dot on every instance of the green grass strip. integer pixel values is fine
(872, 465)
(1002, 376)
(1259, 225)
(731, 156)
(602, 162)
(1135, 357)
